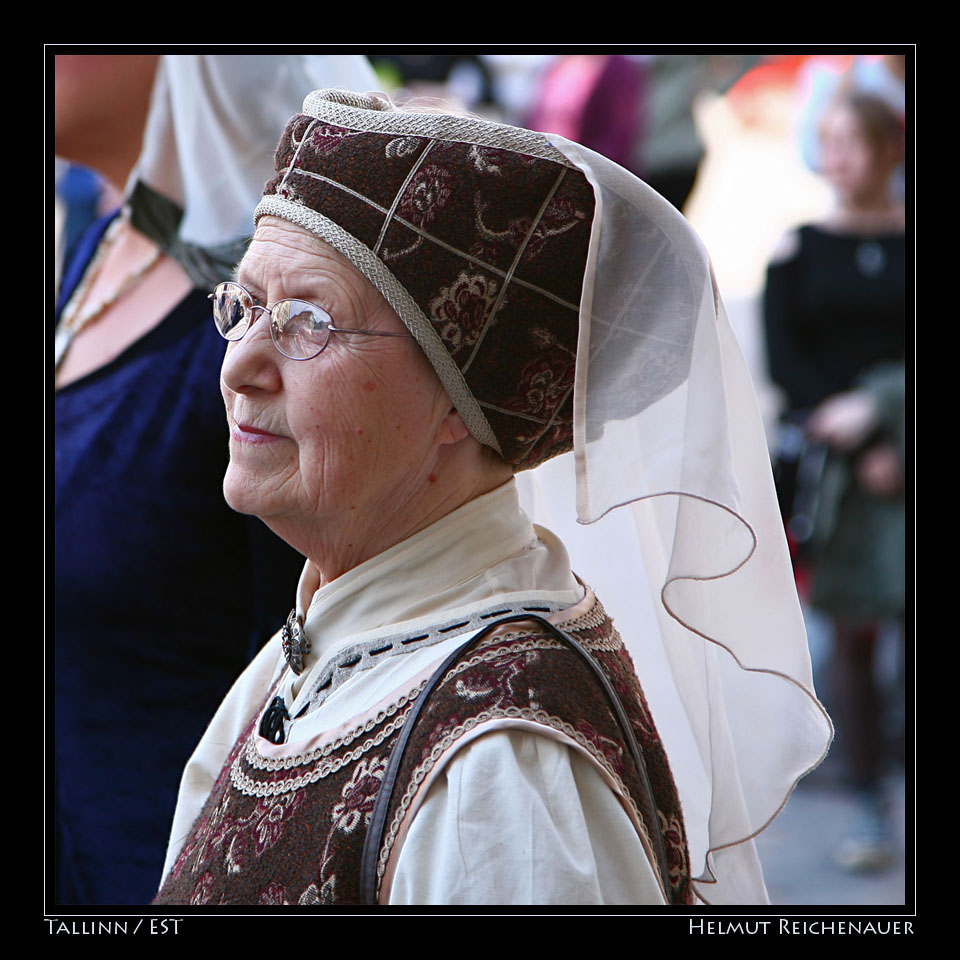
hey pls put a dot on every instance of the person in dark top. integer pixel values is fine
(835, 309)
(161, 592)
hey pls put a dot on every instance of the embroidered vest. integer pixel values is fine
(292, 831)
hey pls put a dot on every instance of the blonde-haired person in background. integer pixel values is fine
(835, 313)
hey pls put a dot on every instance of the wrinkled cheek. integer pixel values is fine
(325, 464)
(349, 470)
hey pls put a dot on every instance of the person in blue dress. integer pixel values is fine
(161, 592)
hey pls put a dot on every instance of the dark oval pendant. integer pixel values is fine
(272, 724)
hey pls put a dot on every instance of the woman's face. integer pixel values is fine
(854, 165)
(329, 451)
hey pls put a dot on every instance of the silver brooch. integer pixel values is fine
(296, 644)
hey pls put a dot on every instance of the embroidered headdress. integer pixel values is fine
(476, 234)
(559, 298)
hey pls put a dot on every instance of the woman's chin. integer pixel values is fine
(242, 494)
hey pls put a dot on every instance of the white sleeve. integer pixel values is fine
(518, 818)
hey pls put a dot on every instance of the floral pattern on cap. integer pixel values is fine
(460, 311)
(488, 244)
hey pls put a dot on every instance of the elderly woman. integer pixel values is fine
(431, 303)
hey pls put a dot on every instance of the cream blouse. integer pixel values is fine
(514, 816)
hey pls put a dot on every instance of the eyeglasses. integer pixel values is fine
(300, 330)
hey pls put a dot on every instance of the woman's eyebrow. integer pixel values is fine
(249, 285)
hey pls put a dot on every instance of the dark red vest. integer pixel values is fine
(292, 831)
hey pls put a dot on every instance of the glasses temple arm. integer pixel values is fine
(372, 333)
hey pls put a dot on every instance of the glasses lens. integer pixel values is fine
(300, 329)
(231, 310)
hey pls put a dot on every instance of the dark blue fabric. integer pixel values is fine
(79, 189)
(162, 593)
(79, 254)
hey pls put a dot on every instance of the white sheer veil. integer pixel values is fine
(667, 428)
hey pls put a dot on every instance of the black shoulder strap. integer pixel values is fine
(378, 822)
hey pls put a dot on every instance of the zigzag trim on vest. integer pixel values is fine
(260, 762)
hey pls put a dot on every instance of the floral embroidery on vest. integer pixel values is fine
(291, 831)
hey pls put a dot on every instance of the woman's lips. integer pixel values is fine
(244, 433)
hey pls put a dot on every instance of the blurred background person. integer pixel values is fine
(670, 149)
(155, 577)
(594, 99)
(835, 311)
(458, 78)
(823, 78)
(636, 109)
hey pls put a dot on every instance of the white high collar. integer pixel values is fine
(484, 549)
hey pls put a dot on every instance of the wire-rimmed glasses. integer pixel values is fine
(300, 330)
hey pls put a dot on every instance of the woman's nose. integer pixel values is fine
(253, 362)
